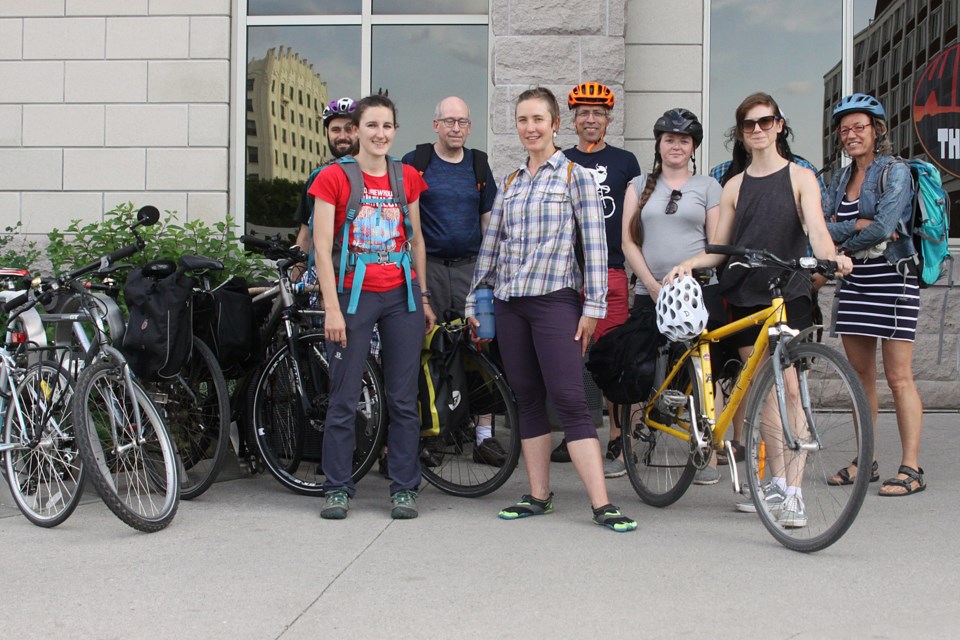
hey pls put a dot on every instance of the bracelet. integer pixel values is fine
(426, 293)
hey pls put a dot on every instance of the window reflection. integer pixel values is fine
(302, 7)
(430, 6)
(292, 72)
(422, 64)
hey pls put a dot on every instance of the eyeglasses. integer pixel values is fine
(857, 129)
(766, 123)
(586, 113)
(449, 122)
(672, 206)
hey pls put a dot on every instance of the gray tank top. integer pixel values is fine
(766, 218)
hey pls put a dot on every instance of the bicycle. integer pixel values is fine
(806, 412)
(42, 465)
(122, 439)
(450, 463)
(287, 396)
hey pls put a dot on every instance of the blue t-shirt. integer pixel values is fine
(612, 169)
(450, 209)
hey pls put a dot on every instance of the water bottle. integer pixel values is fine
(487, 328)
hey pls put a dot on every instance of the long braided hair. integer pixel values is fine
(636, 225)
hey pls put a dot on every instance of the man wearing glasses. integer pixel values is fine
(454, 213)
(613, 169)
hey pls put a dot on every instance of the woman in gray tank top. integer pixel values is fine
(768, 206)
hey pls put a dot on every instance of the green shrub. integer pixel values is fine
(16, 252)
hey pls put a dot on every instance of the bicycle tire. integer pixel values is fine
(138, 481)
(835, 400)
(660, 465)
(44, 470)
(290, 443)
(458, 472)
(196, 408)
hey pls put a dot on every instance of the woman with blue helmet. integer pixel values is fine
(868, 209)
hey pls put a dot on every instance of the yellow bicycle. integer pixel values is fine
(806, 416)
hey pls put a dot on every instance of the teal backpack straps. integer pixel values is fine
(355, 178)
(395, 173)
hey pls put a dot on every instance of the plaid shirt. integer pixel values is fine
(528, 248)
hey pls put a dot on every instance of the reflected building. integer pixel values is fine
(284, 125)
(889, 56)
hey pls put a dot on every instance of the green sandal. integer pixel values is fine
(913, 475)
(527, 506)
(609, 516)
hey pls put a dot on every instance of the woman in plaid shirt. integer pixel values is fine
(543, 211)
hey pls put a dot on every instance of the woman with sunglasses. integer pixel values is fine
(542, 211)
(869, 206)
(671, 213)
(768, 205)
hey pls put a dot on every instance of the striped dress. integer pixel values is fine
(875, 300)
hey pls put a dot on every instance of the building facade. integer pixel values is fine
(151, 101)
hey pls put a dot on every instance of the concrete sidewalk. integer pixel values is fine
(251, 560)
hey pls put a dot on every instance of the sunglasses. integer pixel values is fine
(766, 123)
(672, 206)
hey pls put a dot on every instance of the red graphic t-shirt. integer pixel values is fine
(377, 227)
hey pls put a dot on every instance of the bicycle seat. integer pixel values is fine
(159, 268)
(200, 263)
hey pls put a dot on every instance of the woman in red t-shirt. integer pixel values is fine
(384, 299)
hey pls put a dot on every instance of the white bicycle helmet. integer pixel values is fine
(681, 313)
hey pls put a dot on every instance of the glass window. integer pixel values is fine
(430, 6)
(251, 127)
(249, 84)
(303, 7)
(452, 60)
(804, 38)
(249, 105)
(254, 154)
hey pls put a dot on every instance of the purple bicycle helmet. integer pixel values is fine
(338, 109)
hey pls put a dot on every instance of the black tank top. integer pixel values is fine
(766, 218)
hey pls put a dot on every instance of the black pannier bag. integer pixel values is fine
(228, 326)
(623, 361)
(158, 340)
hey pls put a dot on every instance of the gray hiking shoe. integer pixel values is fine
(337, 505)
(707, 475)
(614, 468)
(404, 505)
(772, 494)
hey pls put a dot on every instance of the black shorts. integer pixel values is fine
(799, 316)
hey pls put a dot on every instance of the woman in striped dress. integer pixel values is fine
(868, 209)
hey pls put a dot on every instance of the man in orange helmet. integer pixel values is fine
(612, 168)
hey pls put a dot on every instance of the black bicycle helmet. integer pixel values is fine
(679, 121)
(858, 103)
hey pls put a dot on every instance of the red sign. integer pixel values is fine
(936, 110)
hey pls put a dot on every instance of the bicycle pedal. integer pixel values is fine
(673, 399)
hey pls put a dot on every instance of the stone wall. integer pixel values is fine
(107, 101)
(555, 45)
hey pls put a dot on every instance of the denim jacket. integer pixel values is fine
(890, 211)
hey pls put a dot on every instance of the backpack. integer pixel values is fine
(623, 361)
(229, 328)
(930, 221)
(345, 261)
(158, 340)
(481, 167)
(442, 384)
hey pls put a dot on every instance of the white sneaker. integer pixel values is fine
(792, 515)
(772, 494)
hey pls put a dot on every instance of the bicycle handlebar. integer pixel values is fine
(763, 258)
(274, 249)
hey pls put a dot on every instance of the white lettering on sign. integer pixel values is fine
(949, 140)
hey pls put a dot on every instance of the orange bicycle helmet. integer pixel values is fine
(590, 93)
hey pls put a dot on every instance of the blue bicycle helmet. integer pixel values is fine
(858, 103)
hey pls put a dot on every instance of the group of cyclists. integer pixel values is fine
(556, 241)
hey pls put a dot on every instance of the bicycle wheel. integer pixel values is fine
(133, 467)
(830, 412)
(290, 442)
(660, 464)
(43, 466)
(459, 469)
(196, 408)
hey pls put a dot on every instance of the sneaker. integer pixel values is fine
(614, 468)
(792, 515)
(490, 452)
(609, 516)
(404, 505)
(772, 494)
(527, 506)
(560, 454)
(614, 447)
(707, 475)
(337, 505)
